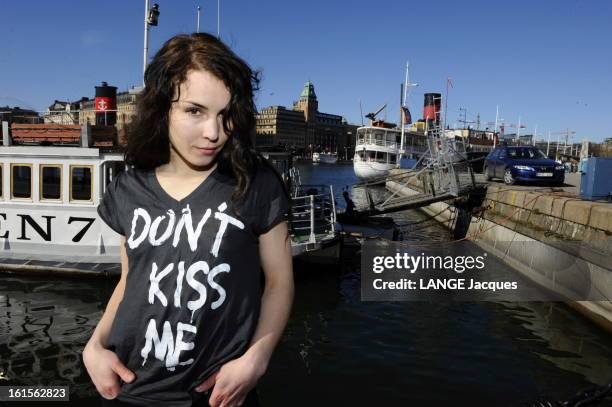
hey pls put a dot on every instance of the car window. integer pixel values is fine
(525, 153)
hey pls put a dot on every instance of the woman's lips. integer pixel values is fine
(206, 151)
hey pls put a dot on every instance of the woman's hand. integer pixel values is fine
(104, 368)
(233, 381)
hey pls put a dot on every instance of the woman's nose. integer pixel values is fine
(211, 130)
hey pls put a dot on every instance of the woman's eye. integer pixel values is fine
(194, 111)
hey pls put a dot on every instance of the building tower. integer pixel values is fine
(308, 103)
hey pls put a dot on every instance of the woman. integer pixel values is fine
(191, 322)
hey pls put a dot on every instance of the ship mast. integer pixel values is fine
(404, 102)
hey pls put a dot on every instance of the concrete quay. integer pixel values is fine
(550, 235)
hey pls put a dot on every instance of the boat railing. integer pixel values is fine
(382, 143)
(295, 180)
(313, 212)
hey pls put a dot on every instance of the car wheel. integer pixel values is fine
(508, 178)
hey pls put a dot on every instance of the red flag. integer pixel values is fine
(407, 118)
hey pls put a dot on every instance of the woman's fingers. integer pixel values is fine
(235, 398)
(109, 390)
(104, 367)
(122, 371)
(208, 383)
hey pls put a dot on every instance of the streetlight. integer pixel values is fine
(151, 18)
(198, 22)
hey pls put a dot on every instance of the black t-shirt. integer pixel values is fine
(193, 291)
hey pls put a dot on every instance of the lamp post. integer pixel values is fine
(151, 18)
(198, 23)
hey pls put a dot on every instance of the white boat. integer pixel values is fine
(326, 158)
(379, 146)
(377, 150)
(48, 200)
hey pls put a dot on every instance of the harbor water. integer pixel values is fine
(338, 350)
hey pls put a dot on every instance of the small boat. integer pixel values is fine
(326, 158)
(313, 225)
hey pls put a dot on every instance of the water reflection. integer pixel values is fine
(44, 325)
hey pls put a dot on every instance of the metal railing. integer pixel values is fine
(313, 211)
(382, 143)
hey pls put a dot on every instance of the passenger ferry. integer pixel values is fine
(378, 149)
(52, 178)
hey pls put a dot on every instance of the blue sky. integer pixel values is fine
(549, 62)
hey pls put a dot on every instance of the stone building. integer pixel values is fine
(61, 112)
(304, 129)
(278, 126)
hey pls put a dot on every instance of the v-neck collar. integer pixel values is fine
(169, 198)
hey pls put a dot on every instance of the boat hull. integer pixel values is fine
(371, 170)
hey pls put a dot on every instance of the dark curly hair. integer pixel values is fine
(148, 145)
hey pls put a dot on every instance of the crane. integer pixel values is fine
(372, 116)
(502, 126)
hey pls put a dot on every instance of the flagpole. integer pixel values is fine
(445, 104)
(402, 102)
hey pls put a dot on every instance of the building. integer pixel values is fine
(484, 135)
(304, 129)
(61, 112)
(278, 126)
(19, 115)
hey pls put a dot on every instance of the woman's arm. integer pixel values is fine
(277, 264)
(237, 377)
(100, 334)
(103, 365)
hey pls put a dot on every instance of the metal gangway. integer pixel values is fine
(443, 173)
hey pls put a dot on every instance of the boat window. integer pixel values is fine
(392, 158)
(1, 181)
(50, 182)
(361, 154)
(21, 180)
(80, 183)
(371, 155)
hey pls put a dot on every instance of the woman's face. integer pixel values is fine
(196, 120)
